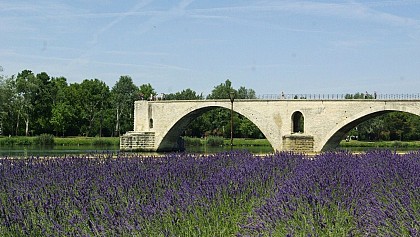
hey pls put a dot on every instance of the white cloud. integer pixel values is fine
(353, 10)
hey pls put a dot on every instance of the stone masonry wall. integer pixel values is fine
(298, 143)
(138, 141)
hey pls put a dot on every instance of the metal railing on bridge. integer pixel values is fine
(358, 96)
(414, 96)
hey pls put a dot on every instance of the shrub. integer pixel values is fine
(19, 141)
(100, 141)
(192, 141)
(215, 141)
(7, 141)
(44, 139)
(400, 144)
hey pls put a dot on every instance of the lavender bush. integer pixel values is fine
(339, 194)
(226, 194)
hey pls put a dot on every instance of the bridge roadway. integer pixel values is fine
(291, 124)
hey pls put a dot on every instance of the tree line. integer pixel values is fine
(33, 104)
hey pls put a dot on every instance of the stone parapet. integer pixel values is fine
(138, 141)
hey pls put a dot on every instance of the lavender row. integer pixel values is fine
(179, 194)
(340, 194)
(225, 194)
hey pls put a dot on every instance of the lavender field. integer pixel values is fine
(225, 194)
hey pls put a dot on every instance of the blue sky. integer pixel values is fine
(269, 46)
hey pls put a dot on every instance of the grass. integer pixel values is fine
(381, 144)
(66, 141)
(241, 142)
(237, 142)
(87, 141)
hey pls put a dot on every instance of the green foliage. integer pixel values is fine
(99, 141)
(123, 95)
(87, 141)
(359, 95)
(7, 95)
(61, 112)
(187, 94)
(192, 141)
(48, 139)
(18, 141)
(44, 139)
(381, 144)
(392, 126)
(94, 99)
(147, 91)
(215, 141)
(241, 142)
(244, 93)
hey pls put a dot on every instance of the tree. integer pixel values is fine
(7, 98)
(414, 122)
(398, 125)
(59, 119)
(186, 94)
(43, 103)
(372, 129)
(222, 91)
(123, 95)
(244, 93)
(147, 92)
(359, 95)
(249, 130)
(93, 99)
(27, 91)
(217, 121)
(62, 113)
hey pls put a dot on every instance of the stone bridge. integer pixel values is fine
(294, 125)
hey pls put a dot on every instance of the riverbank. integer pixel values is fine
(220, 141)
(216, 141)
(61, 141)
(244, 142)
(380, 144)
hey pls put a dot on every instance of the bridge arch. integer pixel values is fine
(337, 134)
(171, 139)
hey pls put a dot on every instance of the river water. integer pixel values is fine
(25, 151)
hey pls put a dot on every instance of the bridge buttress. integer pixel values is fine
(298, 143)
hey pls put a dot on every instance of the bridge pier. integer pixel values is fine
(298, 143)
(138, 141)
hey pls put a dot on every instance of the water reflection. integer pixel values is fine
(18, 151)
(25, 151)
(216, 149)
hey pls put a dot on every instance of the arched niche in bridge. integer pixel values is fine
(298, 122)
(151, 123)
